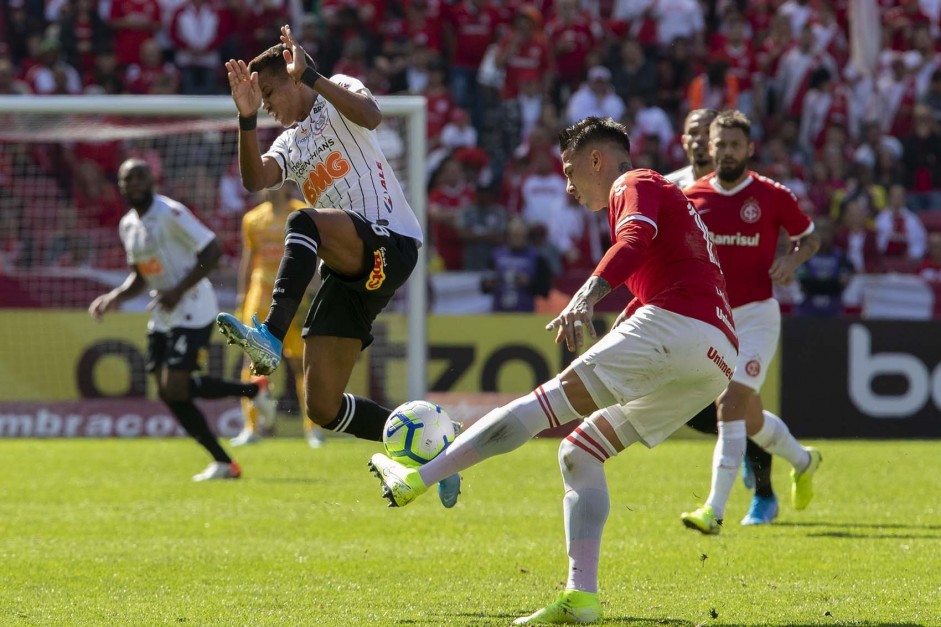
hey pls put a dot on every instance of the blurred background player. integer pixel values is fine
(262, 246)
(171, 253)
(757, 464)
(744, 213)
(358, 224)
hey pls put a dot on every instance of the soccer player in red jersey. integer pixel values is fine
(745, 213)
(672, 355)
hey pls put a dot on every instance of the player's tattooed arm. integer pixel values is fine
(569, 324)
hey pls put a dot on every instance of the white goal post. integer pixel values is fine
(411, 108)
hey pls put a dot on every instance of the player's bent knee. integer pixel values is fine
(302, 223)
(322, 411)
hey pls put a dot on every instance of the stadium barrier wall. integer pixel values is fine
(861, 378)
(78, 378)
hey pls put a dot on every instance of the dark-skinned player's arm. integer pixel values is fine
(132, 286)
(356, 106)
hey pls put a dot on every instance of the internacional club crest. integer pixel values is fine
(751, 211)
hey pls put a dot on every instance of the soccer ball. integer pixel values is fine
(416, 431)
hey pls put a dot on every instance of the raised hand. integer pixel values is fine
(244, 85)
(294, 56)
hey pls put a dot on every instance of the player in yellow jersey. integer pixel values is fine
(262, 248)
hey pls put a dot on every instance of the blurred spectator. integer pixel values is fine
(794, 71)
(735, 49)
(152, 75)
(858, 239)
(715, 88)
(22, 24)
(822, 187)
(577, 235)
(797, 12)
(439, 104)
(930, 267)
(828, 34)
(932, 96)
(542, 191)
(485, 225)
(524, 49)
(899, 22)
(104, 78)
(96, 198)
(52, 75)
(83, 33)
(471, 29)
(826, 104)
(860, 186)
(518, 272)
(458, 132)
(573, 35)
(874, 140)
(596, 97)
(448, 198)
(196, 35)
(921, 159)
(134, 22)
(824, 276)
(634, 74)
(9, 84)
(353, 62)
(679, 19)
(898, 94)
(674, 72)
(647, 119)
(899, 232)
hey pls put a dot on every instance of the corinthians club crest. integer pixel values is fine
(751, 211)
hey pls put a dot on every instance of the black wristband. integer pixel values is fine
(248, 123)
(310, 76)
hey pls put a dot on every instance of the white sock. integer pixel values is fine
(776, 438)
(586, 503)
(503, 430)
(730, 447)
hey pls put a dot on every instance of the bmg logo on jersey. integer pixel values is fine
(322, 176)
(377, 275)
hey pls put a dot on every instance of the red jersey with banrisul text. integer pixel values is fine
(744, 224)
(669, 261)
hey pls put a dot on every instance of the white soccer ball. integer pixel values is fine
(416, 431)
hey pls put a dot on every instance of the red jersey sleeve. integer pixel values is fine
(797, 223)
(633, 206)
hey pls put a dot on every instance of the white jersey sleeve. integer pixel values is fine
(682, 178)
(339, 164)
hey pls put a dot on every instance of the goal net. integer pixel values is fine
(59, 248)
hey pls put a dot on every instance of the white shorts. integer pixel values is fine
(656, 370)
(758, 326)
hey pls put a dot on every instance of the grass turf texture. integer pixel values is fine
(114, 532)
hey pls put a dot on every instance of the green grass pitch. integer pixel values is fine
(110, 532)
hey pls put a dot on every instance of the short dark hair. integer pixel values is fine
(272, 61)
(594, 129)
(709, 114)
(731, 118)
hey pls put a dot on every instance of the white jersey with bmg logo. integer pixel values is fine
(163, 245)
(337, 163)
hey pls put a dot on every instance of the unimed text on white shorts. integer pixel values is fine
(758, 326)
(656, 370)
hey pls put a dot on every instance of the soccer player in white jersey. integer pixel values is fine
(671, 356)
(756, 467)
(359, 225)
(171, 253)
(745, 213)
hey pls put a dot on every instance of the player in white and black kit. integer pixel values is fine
(171, 253)
(359, 225)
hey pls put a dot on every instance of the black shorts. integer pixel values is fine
(347, 307)
(177, 349)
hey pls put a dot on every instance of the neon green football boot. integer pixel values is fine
(571, 607)
(400, 484)
(802, 484)
(703, 520)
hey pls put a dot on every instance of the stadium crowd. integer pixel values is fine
(846, 110)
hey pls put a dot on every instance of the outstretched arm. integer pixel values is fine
(358, 108)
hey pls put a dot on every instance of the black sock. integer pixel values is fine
(211, 387)
(194, 421)
(760, 461)
(705, 421)
(360, 417)
(298, 266)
